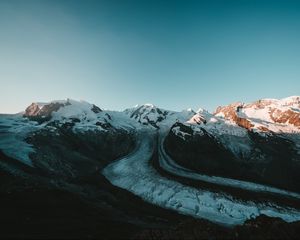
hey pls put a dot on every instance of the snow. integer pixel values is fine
(15, 128)
(82, 111)
(290, 101)
(120, 120)
(176, 130)
(13, 131)
(135, 174)
(234, 137)
(261, 116)
(149, 105)
(75, 109)
(149, 114)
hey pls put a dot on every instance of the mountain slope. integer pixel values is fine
(150, 115)
(76, 147)
(259, 142)
(67, 137)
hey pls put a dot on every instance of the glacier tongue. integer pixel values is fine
(135, 174)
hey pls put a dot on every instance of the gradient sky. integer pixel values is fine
(174, 54)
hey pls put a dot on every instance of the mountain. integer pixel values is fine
(148, 170)
(65, 110)
(259, 140)
(149, 114)
(61, 137)
(265, 115)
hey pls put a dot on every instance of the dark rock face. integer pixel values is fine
(32, 209)
(204, 154)
(91, 209)
(41, 213)
(282, 165)
(72, 154)
(96, 109)
(262, 227)
(105, 125)
(201, 153)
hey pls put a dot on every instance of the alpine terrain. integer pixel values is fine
(71, 169)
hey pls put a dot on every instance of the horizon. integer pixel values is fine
(175, 55)
(142, 104)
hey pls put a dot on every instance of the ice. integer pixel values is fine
(135, 174)
(13, 131)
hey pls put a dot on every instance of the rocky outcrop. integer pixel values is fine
(288, 116)
(96, 109)
(42, 112)
(32, 110)
(231, 112)
(243, 122)
(198, 119)
(271, 111)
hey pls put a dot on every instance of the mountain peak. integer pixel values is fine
(277, 115)
(59, 109)
(149, 105)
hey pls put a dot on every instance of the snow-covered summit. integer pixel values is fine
(231, 124)
(81, 114)
(264, 115)
(276, 115)
(62, 109)
(149, 114)
(77, 109)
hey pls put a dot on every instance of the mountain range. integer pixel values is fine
(148, 168)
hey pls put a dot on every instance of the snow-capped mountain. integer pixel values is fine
(233, 124)
(62, 109)
(150, 115)
(229, 125)
(60, 119)
(253, 147)
(265, 115)
(211, 167)
(254, 138)
(147, 114)
(82, 115)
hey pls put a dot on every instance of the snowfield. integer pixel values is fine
(135, 174)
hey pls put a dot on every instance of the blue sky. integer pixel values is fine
(174, 54)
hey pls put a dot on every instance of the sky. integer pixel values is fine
(174, 54)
